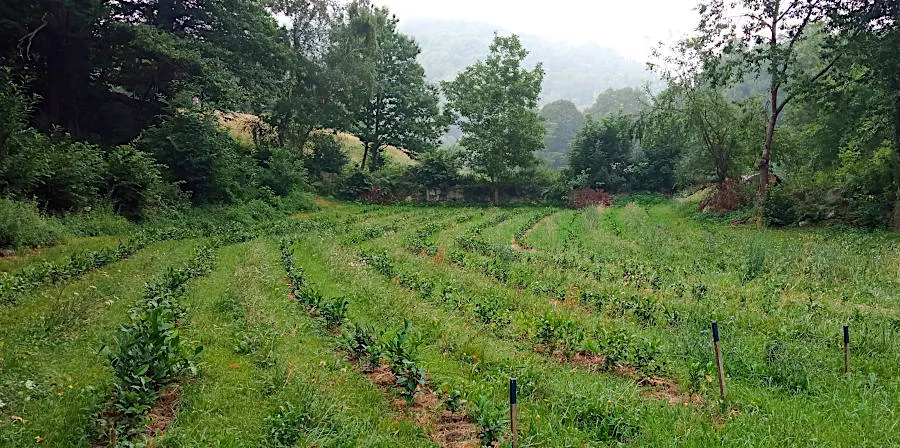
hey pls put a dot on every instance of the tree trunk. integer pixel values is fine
(765, 160)
(496, 192)
(365, 155)
(895, 216)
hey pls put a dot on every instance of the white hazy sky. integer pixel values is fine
(631, 27)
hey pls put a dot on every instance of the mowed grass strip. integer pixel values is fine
(269, 374)
(55, 254)
(52, 374)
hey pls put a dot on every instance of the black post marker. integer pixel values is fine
(715, 330)
(514, 411)
(846, 348)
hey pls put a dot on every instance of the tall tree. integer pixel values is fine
(562, 120)
(495, 100)
(867, 32)
(307, 99)
(602, 151)
(398, 107)
(762, 37)
(628, 100)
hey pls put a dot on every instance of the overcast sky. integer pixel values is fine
(631, 27)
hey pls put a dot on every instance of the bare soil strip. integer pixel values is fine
(447, 429)
(514, 244)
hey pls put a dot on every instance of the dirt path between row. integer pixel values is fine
(514, 244)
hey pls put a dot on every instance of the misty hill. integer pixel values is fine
(574, 72)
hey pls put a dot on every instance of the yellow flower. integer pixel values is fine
(59, 394)
(38, 439)
(537, 416)
(70, 386)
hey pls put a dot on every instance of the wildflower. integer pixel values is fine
(70, 386)
(537, 416)
(38, 439)
(30, 385)
(59, 394)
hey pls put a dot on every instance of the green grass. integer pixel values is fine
(56, 254)
(52, 339)
(638, 284)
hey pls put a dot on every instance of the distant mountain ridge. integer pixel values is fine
(573, 72)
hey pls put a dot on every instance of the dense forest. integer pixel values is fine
(119, 107)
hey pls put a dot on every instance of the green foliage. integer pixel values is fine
(410, 377)
(292, 423)
(22, 225)
(398, 108)
(602, 150)
(133, 181)
(438, 168)
(148, 351)
(362, 343)
(562, 121)
(327, 155)
(451, 399)
(490, 420)
(559, 333)
(495, 99)
(627, 101)
(282, 171)
(859, 193)
(201, 158)
(607, 420)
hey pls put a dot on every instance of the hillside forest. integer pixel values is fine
(784, 113)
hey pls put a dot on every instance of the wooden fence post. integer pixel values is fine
(846, 349)
(514, 412)
(721, 367)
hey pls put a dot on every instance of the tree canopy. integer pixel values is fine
(495, 101)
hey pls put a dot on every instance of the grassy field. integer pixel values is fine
(401, 326)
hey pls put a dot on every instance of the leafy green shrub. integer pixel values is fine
(334, 311)
(492, 310)
(327, 155)
(282, 170)
(451, 399)
(203, 159)
(491, 421)
(559, 333)
(381, 263)
(75, 177)
(148, 350)
(437, 168)
(134, 182)
(22, 226)
(353, 185)
(362, 344)
(621, 347)
(410, 377)
(96, 222)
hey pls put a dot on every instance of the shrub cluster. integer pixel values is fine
(148, 351)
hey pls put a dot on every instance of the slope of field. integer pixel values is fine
(312, 328)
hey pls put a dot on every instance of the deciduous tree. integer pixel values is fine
(495, 101)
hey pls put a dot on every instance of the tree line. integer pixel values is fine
(119, 104)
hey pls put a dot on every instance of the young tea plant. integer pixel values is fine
(490, 420)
